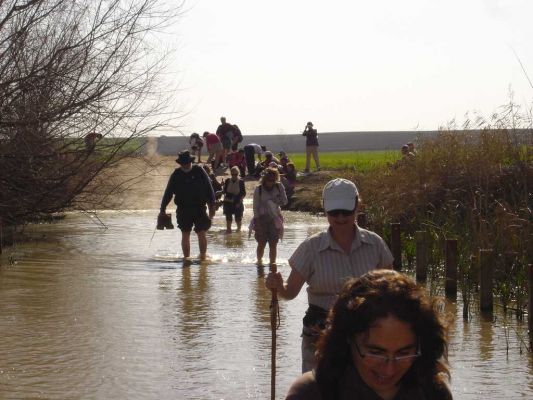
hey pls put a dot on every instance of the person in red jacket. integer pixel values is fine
(237, 159)
(214, 148)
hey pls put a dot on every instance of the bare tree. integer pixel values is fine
(69, 68)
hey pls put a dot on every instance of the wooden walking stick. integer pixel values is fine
(274, 313)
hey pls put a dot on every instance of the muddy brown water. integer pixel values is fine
(108, 313)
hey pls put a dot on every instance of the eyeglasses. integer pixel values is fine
(377, 358)
(234, 174)
(344, 213)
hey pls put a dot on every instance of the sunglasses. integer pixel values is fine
(234, 174)
(344, 213)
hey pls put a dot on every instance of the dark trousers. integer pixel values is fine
(249, 154)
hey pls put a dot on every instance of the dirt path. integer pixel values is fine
(147, 178)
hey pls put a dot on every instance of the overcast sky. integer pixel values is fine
(348, 65)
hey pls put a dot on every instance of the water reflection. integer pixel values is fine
(485, 333)
(94, 313)
(192, 302)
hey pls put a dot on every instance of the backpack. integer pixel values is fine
(237, 133)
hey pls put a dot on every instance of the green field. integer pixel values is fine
(356, 160)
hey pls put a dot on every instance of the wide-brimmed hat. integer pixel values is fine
(184, 157)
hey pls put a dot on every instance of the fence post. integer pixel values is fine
(396, 245)
(450, 286)
(486, 261)
(421, 255)
(530, 306)
(1, 235)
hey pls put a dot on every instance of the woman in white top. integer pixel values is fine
(269, 195)
(327, 259)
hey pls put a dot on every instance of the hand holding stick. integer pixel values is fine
(274, 313)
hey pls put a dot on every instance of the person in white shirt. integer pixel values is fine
(267, 222)
(327, 259)
(250, 150)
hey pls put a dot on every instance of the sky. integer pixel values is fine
(348, 65)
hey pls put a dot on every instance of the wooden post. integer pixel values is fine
(1, 235)
(421, 255)
(450, 286)
(274, 312)
(396, 245)
(486, 262)
(530, 306)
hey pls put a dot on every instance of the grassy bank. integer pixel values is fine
(348, 160)
(471, 186)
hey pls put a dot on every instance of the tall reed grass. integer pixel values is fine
(474, 185)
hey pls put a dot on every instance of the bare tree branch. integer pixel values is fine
(68, 68)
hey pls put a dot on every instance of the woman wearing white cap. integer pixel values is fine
(327, 259)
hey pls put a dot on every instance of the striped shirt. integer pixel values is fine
(326, 267)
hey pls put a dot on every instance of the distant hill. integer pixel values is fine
(329, 141)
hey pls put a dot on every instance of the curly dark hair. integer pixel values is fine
(373, 296)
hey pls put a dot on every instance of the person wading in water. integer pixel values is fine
(327, 259)
(234, 192)
(267, 222)
(192, 191)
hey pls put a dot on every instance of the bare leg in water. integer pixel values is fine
(260, 251)
(228, 224)
(186, 243)
(202, 243)
(272, 250)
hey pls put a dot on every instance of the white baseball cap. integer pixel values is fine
(339, 194)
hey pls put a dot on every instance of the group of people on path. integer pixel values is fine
(219, 145)
(369, 332)
(195, 196)
(223, 149)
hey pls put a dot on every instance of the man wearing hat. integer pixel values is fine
(311, 146)
(192, 191)
(327, 259)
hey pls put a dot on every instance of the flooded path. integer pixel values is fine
(88, 312)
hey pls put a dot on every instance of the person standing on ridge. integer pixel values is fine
(192, 191)
(196, 143)
(237, 138)
(90, 141)
(225, 134)
(327, 259)
(311, 146)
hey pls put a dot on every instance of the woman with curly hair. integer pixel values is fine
(384, 340)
